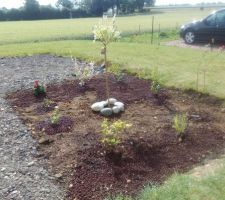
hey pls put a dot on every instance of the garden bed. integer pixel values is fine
(150, 150)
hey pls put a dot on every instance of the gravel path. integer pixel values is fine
(200, 46)
(22, 175)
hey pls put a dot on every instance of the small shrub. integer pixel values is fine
(55, 117)
(83, 72)
(47, 103)
(118, 72)
(111, 132)
(180, 123)
(39, 89)
(155, 86)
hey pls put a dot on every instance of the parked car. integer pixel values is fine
(208, 29)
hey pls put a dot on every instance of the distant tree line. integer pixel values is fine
(32, 10)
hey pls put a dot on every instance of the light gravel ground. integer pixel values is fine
(200, 46)
(22, 175)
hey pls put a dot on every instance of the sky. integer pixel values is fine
(18, 3)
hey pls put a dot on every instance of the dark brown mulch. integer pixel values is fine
(151, 150)
(64, 125)
(41, 109)
(133, 89)
(143, 161)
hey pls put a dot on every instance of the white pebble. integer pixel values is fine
(97, 106)
(116, 109)
(120, 105)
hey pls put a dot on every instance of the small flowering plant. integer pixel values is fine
(39, 89)
(83, 72)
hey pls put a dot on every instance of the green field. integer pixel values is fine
(49, 30)
(177, 67)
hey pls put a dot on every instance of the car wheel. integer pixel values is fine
(189, 37)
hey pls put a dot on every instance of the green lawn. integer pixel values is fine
(48, 30)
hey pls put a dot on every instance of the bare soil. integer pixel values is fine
(150, 151)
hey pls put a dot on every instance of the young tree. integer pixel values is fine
(106, 32)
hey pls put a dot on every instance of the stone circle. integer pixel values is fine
(116, 107)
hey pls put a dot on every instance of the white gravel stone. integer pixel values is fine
(106, 112)
(116, 109)
(98, 106)
(120, 105)
(111, 101)
(105, 103)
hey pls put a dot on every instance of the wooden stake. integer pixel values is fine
(159, 30)
(153, 19)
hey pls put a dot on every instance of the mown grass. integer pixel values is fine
(159, 37)
(50, 30)
(185, 187)
(177, 66)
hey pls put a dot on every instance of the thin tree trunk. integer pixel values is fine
(107, 77)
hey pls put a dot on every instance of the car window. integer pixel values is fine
(211, 20)
(220, 18)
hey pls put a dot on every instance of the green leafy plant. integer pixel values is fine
(39, 89)
(118, 72)
(47, 103)
(180, 123)
(155, 86)
(111, 132)
(106, 32)
(55, 117)
(143, 73)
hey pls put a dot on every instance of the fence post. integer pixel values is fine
(153, 19)
(159, 30)
(197, 81)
